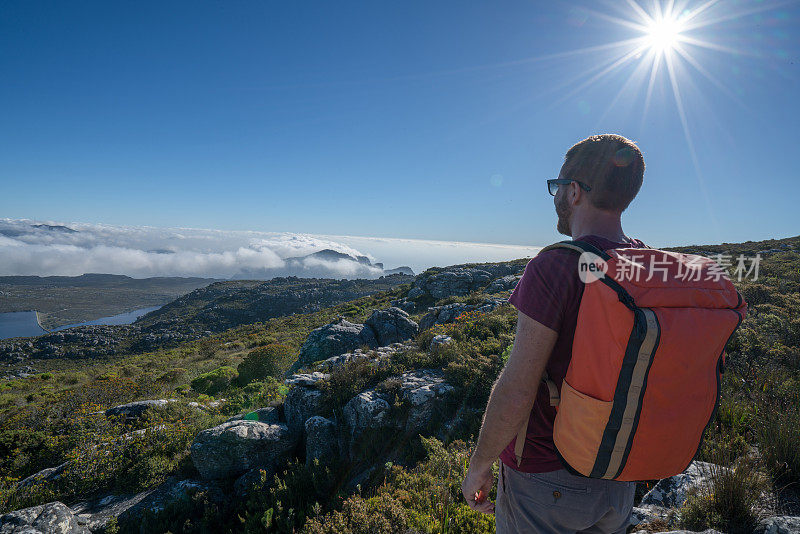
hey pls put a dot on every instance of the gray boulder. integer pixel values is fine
(459, 279)
(782, 524)
(443, 314)
(42, 519)
(672, 492)
(708, 531)
(234, 447)
(47, 475)
(454, 281)
(367, 410)
(128, 508)
(406, 305)
(335, 338)
(321, 440)
(134, 410)
(379, 355)
(244, 483)
(392, 325)
(448, 312)
(440, 340)
(423, 389)
(644, 514)
(300, 404)
(306, 379)
(503, 284)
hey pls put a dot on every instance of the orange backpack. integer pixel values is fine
(649, 347)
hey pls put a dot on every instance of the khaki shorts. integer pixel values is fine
(559, 503)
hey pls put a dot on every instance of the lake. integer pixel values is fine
(24, 324)
(19, 324)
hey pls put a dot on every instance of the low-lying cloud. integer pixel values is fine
(54, 248)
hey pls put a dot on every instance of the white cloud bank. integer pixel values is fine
(47, 248)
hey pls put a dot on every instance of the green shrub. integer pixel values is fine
(348, 380)
(383, 514)
(779, 441)
(258, 394)
(285, 502)
(171, 376)
(214, 381)
(426, 498)
(731, 501)
(270, 361)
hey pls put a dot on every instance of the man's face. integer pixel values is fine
(563, 210)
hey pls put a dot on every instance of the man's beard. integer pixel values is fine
(564, 212)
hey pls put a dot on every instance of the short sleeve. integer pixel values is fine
(548, 284)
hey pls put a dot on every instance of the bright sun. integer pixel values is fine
(663, 34)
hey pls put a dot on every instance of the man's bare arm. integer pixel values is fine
(514, 393)
(509, 405)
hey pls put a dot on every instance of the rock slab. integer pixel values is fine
(234, 447)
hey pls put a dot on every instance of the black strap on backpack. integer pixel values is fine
(581, 247)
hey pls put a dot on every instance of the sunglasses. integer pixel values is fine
(552, 185)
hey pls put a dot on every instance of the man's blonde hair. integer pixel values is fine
(611, 164)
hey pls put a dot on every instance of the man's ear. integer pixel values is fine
(575, 194)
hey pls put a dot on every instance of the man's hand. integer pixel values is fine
(509, 406)
(477, 485)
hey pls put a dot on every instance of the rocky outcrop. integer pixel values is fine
(42, 519)
(440, 340)
(306, 379)
(448, 312)
(671, 493)
(408, 306)
(455, 281)
(321, 440)
(782, 524)
(423, 390)
(128, 508)
(379, 355)
(505, 283)
(300, 404)
(337, 337)
(383, 327)
(232, 448)
(708, 531)
(368, 409)
(391, 325)
(47, 475)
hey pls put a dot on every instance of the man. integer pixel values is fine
(599, 178)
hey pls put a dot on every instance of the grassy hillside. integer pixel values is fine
(47, 420)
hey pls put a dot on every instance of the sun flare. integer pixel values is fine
(663, 34)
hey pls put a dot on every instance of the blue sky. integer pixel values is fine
(428, 120)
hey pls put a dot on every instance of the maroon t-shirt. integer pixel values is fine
(550, 292)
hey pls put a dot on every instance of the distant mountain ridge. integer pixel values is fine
(223, 305)
(323, 264)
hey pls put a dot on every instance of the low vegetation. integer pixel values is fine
(50, 419)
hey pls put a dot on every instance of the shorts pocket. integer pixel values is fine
(548, 489)
(551, 478)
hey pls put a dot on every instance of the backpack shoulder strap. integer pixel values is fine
(578, 246)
